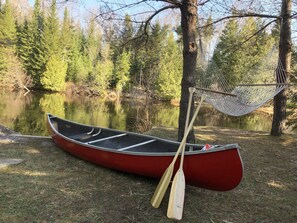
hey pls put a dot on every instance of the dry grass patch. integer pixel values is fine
(52, 186)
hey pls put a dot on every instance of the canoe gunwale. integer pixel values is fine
(127, 152)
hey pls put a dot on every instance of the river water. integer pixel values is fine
(26, 113)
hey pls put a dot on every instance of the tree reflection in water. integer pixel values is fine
(26, 114)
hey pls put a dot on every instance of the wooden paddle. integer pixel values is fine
(177, 193)
(165, 180)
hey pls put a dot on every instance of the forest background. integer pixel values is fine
(41, 50)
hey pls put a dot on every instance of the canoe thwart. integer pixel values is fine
(138, 144)
(106, 138)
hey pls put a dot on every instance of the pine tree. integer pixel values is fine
(38, 56)
(127, 33)
(103, 69)
(226, 52)
(80, 58)
(53, 78)
(153, 54)
(3, 62)
(139, 55)
(91, 56)
(7, 25)
(51, 32)
(67, 36)
(56, 67)
(209, 30)
(24, 43)
(122, 71)
(93, 43)
(74, 56)
(170, 70)
(236, 54)
(7, 42)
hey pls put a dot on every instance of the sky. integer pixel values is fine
(83, 9)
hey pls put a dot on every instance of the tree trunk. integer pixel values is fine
(285, 46)
(189, 25)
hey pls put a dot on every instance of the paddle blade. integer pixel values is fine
(177, 196)
(162, 187)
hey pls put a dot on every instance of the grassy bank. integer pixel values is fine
(52, 186)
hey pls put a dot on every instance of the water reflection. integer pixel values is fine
(25, 114)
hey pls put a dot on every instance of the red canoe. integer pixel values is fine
(218, 168)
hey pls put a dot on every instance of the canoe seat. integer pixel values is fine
(106, 138)
(86, 135)
(135, 145)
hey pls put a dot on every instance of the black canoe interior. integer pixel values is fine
(115, 140)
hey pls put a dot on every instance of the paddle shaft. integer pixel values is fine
(191, 91)
(177, 193)
(189, 128)
(176, 198)
(167, 175)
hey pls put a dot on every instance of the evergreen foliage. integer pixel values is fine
(7, 43)
(53, 78)
(25, 43)
(7, 25)
(67, 36)
(3, 63)
(53, 51)
(170, 67)
(38, 54)
(52, 33)
(235, 56)
(122, 70)
(103, 70)
(147, 54)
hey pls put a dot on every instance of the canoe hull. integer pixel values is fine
(219, 170)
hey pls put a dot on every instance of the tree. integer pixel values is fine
(38, 50)
(226, 54)
(122, 71)
(52, 32)
(188, 23)
(285, 45)
(7, 25)
(170, 70)
(127, 33)
(53, 78)
(188, 9)
(235, 56)
(103, 69)
(24, 43)
(78, 63)
(153, 55)
(66, 38)
(92, 42)
(2, 63)
(7, 46)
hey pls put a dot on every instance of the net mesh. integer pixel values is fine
(256, 87)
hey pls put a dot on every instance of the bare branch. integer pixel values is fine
(156, 13)
(125, 6)
(147, 22)
(260, 30)
(173, 2)
(241, 16)
(203, 3)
